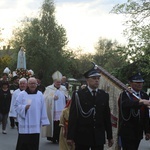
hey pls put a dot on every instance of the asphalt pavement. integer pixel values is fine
(144, 145)
(8, 141)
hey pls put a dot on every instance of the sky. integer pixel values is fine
(85, 21)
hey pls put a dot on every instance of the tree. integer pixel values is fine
(137, 19)
(138, 32)
(44, 41)
(103, 48)
(4, 62)
(109, 56)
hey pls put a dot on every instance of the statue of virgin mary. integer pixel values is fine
(21, 62)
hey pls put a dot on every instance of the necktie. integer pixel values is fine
(94, 93)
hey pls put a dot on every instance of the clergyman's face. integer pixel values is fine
(57, 83)
(23, 85)
(93, 82)
(32, 84)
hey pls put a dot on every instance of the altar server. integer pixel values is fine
(31, 110)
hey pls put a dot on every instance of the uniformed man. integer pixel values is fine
(133, 115)
(89, 117)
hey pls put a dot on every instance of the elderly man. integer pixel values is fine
(55, 97)
(64, 82)
(22, 86)
(31, 110)
(89, 116)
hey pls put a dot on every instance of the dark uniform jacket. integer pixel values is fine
(133, 118)
(90, 130)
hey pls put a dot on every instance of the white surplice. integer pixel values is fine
(59, 104)
(30, 121)
(54, 107)
(12, 112)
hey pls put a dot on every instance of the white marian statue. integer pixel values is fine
(21, 62)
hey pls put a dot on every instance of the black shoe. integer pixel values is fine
(54, 141)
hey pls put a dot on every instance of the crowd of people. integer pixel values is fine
(80, 121)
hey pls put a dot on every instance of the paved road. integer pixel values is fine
(144, 145)
(8, 142)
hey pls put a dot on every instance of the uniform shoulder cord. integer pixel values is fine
(132, 112)
(121, 111)
(79, 107)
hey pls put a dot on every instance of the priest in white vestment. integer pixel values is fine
(31, 111)
(22, 86)
(55, 97)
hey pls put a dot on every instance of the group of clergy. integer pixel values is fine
(37, 110)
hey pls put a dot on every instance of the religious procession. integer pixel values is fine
(87, 118)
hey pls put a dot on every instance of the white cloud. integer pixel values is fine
(12, 12)
(85, 21)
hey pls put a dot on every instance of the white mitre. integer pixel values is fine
(14, 74)
(6, 70)
(57, 76)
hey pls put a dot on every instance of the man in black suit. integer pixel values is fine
(133, 115)
(89, 117)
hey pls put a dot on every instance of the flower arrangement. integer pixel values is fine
(21, 72)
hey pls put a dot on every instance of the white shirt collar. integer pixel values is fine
(92, 89)
(137, 93)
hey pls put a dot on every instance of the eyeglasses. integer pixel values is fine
(33, 83)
